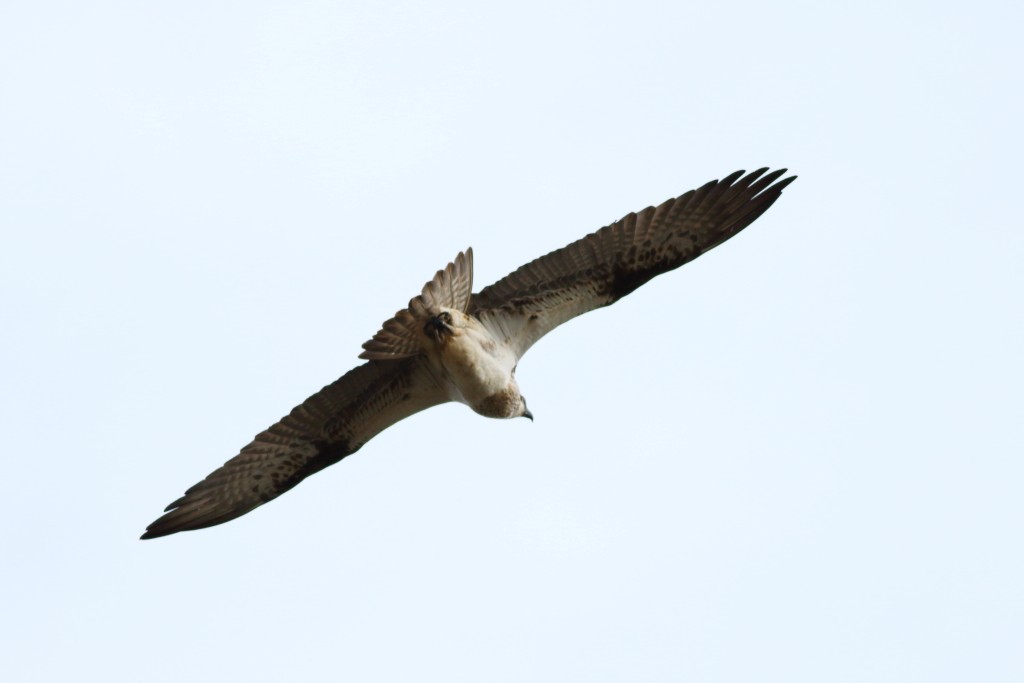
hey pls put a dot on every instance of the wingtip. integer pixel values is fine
(732, 177)
(761, 184)
(156, 530)
(779, 172)
(782, 184)
(757, 173)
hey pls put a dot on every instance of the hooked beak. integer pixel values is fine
(528, 414)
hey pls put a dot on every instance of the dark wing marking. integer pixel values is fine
(605, 266)
(399, 337)
(333, 423)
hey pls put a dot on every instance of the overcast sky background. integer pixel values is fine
(797, 459)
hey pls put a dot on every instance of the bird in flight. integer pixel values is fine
(450, 344)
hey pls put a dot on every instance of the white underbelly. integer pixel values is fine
(475, 366)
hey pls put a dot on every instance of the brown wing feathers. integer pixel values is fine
(326, 427)
(640, 246)
(608, 264)
(684, 228)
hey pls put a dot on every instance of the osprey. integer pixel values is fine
(450, 344)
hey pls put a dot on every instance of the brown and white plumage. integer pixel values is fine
(451, 345)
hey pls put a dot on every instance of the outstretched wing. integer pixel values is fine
(605, 266)
(333, 423)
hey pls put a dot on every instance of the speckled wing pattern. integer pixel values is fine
(606, 265)
(326, 427)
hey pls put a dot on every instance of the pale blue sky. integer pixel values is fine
(796, 459)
